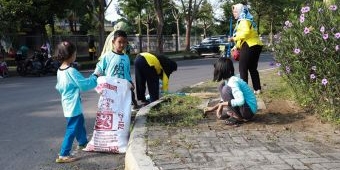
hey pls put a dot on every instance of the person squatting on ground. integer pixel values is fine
(239, 100)
(149, 68)
(70, 83)
(248, 42)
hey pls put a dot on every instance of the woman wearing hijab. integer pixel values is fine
(248, 42)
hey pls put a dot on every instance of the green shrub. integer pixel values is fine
(307, 51)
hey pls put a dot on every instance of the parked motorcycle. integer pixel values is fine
(39, 64)
(50, 66)
(26, 66)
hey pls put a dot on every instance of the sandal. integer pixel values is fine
(233, 122)
(65, 159)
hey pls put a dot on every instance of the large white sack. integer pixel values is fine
(111, 129)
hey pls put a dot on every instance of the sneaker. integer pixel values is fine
(81, 147)
(145, 102)
(135, 108)
(257, 92)
(66, 159)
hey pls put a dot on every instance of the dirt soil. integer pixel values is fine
(285, 116)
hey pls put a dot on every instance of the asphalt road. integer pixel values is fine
(32, 124)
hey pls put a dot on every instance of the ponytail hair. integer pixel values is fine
(64, 51)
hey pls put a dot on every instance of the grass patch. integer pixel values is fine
(209, 86)
(176, 111)
(274, 87)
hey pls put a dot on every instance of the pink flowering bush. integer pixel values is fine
(307, 52)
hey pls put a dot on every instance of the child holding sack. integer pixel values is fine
(70, 83)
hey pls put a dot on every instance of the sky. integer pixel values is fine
(111, 12)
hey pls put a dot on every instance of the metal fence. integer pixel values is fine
(81, 42)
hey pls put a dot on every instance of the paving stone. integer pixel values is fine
(331, 165)
(229, 148)
(296, 164)
(314, 160)
(317, 167)
(277, 167)
(274, 159)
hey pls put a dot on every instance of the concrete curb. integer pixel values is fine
(135, 156)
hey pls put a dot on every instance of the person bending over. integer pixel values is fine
(149, 68)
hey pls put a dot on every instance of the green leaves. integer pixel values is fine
(309, 46)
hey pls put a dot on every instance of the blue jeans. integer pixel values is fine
(75, 128)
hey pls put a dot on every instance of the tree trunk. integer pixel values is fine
(187, 35)
(271, 33)
(160, 22)
(258, 25)
(101, 25)
(148, 37)
(178, 35)
(140, 32)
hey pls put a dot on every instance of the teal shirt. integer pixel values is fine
(114, 65)
(242, 93)
(70, 82)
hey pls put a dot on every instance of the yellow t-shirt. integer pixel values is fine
(246, 33)
(153, 61)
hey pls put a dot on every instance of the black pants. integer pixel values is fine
(145, 74)
(249, 58)
(243, 111)
(92, 56)
(134, 101)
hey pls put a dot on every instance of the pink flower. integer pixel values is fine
(297, 50)
(305, 9)
(306, 31)
(325, 36)
(337, 35)
(302, 19)
(312, 76)
(337, 48)
(287, 69)
(333, 7)
(287, 23)
(324, 81)
(322, 29)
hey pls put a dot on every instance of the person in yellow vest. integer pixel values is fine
(248, 42)
(92, 48)
(149, 69)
